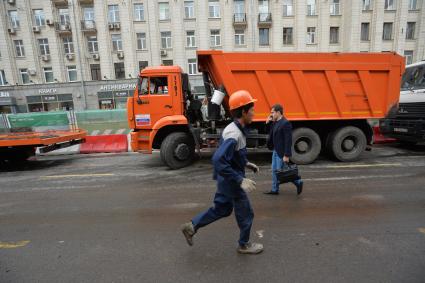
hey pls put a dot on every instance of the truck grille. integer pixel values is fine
(411, 110)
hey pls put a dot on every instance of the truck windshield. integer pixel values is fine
(413, 78)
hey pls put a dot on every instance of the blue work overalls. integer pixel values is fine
(229, 163)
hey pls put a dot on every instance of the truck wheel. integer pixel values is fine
(177, 150)
(306, 146)
(347, 143)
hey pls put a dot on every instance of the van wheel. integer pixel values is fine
(347, 143)
(306, 146)
(177, 150)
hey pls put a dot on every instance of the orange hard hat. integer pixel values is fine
(240, 98)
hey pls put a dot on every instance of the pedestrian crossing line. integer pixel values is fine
(13, 245)
(76, 176)
(359, 165)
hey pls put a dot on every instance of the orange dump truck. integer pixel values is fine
(19, 146)
(328, 97)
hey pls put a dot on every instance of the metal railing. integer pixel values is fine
(239, 18)
(264, 17)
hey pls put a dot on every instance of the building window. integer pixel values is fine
(64, 17)
(239, 37)
(388, 31)
(288, 8)
(190, 39)
(119, 71)
(19, 47)
(334, 8)
(68, 45)
(365, 32)
(311, 35)
(215, 38)
(367, 5)
(143, 64)
(166, 63)
(410, 31)
(408, 54)
(189, 9)
(95, 72)
(311, 7)
(413, 5)
(40, 103)
(116, 42)
(139, 12)
(166, 40)
(164, 11)
(39, 19)
(88, 14)
(264, 36)
(3, 80)
(14, 19)
(48, 74)
(264, 11)
(72, 73)
(192, 66)
(214, 8)
(288, 36)
(25, 78)
(113, 14)
(92, 44)
(43, 44)
(141, 41)
(389, 5)
(334, 35)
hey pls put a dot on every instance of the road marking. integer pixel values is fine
(422, 230)
(13, 245)
(76, 175)
(359, 165)
(358, 177)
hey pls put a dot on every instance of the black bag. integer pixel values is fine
(288, 173)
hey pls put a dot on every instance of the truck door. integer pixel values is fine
(155, 100)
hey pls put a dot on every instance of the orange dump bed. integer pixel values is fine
(40, 139)
(310, 86)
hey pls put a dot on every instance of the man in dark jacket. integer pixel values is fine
(280, 141)
(230, 160)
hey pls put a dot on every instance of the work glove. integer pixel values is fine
(253, 167)
(248, 185)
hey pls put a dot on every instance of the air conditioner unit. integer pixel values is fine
(36, 29)
(45, 58)
(70, 56)
(32, 72)
(11, 2)
(117, 25)
(163, 52)
(120, 55)
(11, 30)
(111, 26)
(49, 22)
(65, 27)
(95, 56)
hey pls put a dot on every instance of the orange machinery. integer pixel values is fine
(328, 97)
(19, 146)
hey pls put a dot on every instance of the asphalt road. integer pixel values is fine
(116, 218)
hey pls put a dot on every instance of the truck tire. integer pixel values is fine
(177, 150)
(306, 146)
(347, 143)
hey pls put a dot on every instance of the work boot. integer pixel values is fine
(251, 248)
(271, 193)
(300, 187)
(188, 232)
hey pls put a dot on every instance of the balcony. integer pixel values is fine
(84, 2)
(239, 20)
(63, 28)
(264, 20)
(88, 26)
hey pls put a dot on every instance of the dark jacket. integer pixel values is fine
(280, 138)
(230, 160)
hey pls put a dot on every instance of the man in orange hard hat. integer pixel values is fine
(230, 160)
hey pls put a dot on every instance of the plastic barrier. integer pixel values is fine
(379, 138)
(103, 122)
(105, 144)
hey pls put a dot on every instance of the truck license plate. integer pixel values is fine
(400, 130)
